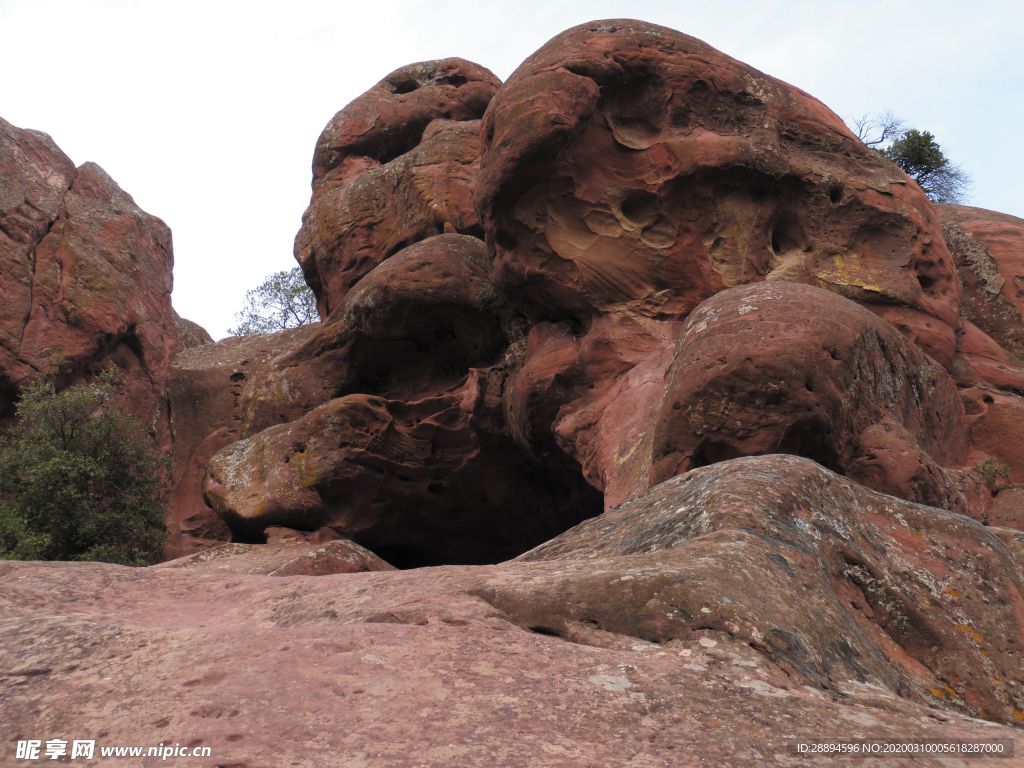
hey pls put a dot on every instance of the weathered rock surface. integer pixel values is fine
(414, 326)
(783, 368)
(690, 615)
(423, 482)
(989, 251)
(628, 167)
(86, 280)
(204, 389)
(285, 558)
(924, 602)
(394, 167)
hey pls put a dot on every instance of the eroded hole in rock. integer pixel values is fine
(711, 452)
(456, 80)
(401, 86)
(786, 236)
(542, 630)
(988, 400)
(810, 441)
(431, 356)
(636, 108)
(926, 282)
(640, 208)
(480, 515)
(835, 194)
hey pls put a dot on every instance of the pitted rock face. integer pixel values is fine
(782, 368)
(627, 166)
(394, 167)
(389, 119)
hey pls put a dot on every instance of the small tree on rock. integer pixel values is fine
(917, 154)
(921, 159)
(281, 301)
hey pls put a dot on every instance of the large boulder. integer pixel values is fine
(783, 368)
(392, 168)
(828, 579)
(86, 278)
(627, 167)
(415, 325)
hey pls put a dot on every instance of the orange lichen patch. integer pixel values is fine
(938, 693)
(954, 593)
(977, 637)
(963, 628)
(1018, 714)
(984, 653)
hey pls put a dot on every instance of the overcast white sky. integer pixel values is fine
(207, 112)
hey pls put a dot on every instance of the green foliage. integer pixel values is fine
(991, 470)
(921, 159)
(79, 479)
(917, 154)
(282, 301)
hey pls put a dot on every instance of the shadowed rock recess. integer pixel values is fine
(710, 421)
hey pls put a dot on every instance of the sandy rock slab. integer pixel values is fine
(395, 669)
(508, 665)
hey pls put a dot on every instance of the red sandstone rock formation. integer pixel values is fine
(782, 368)
(392, 168)
(989, 252)
(629, 168)
(86, 272)
(393, 432)
(830, 580)
(651, 208)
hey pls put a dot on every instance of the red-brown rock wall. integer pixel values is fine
(392, 168)
(628, 167)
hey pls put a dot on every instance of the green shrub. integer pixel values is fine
(79, 479)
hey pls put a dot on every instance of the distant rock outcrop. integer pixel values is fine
(86, 280)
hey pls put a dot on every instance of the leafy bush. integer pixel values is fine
(917, 154)
(921, 158)
(79, 479)
(281, 301)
